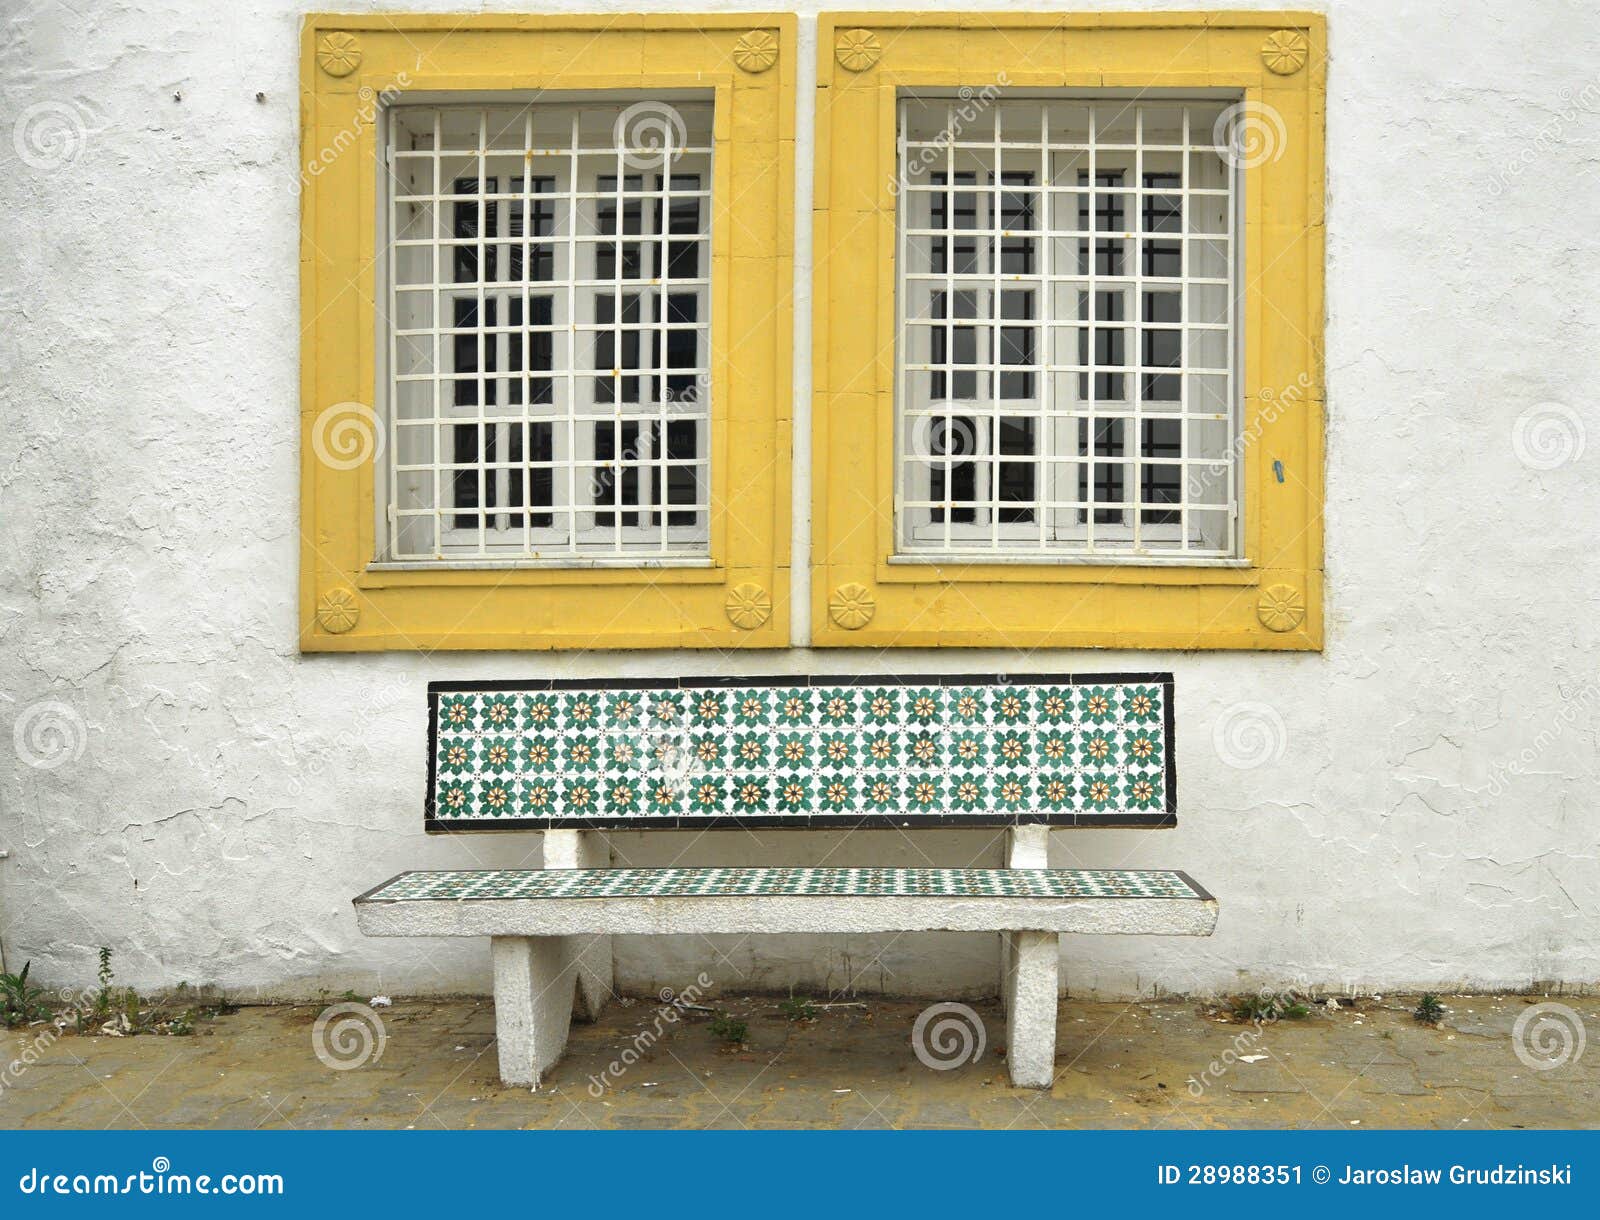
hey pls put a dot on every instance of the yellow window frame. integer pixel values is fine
(351, 66)
(1274, 600)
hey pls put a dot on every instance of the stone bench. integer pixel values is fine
(573, 760)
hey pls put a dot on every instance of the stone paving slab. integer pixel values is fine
(1173, 1064)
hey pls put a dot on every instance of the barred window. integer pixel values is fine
(1066, 364)
(548, 327)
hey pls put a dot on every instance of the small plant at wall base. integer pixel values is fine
(798, 1009)
(102, 1003)
(1428, 1010)
(1269, 1008)
(121, 1012)
(20, 1001)
(730, 1030)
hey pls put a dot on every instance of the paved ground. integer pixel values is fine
(1119, 1065)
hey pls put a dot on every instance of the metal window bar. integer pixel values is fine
(500, 310)
(1139, 461)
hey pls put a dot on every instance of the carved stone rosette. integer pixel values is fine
(857, 50)
(749, 606)
(756, 51)
(338, 53)
(337, 611)
(1285, 52)
(1281, 608)
(852, 606)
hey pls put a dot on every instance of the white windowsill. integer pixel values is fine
(973, 558)
(577, 563)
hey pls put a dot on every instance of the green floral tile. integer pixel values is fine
(960, 750)
(1060, 883)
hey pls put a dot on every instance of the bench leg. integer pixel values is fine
(534, 981)
(1027, 846)
(585, 849)
(1033, 967)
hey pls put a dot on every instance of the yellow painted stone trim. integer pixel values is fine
(1280, 316)
(352, 65)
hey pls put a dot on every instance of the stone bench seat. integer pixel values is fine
(556, 902)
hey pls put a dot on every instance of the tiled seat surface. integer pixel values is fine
(747, 882)
(792, 751)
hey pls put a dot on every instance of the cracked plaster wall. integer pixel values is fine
(223, 798)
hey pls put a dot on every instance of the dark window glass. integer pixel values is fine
(1017, 480)
(683, 218)
(682, 445)
(465, 225)
(954, 210)
(1163, 349)
(1109, 217)
(1161, 484)
(1110, 347)
(614, 442)
(1162, 214)
(632, 223)
(957, 482)
(606, 355)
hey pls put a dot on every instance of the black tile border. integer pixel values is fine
(723, 682)
(1163, 820)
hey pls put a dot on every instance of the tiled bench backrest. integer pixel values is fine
(970, 750)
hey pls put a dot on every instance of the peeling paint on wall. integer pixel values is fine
(1417, 810)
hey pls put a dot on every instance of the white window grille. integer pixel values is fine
(548, 330)
(1066, 364)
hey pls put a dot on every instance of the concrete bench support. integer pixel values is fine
(585, 849)
(1030, 976)
(534, 981)
(1030, 997)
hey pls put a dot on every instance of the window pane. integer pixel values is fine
(549, 279)
(1067, 333)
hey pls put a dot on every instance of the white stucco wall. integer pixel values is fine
(219, 798)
